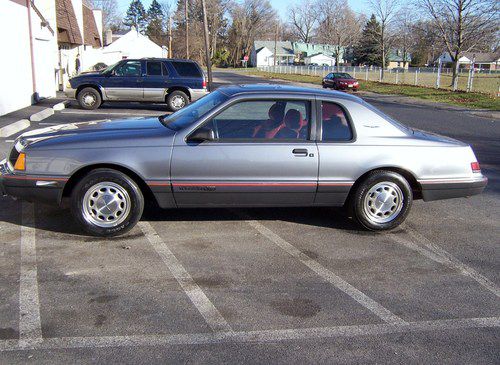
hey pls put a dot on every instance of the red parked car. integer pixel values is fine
(340, 81)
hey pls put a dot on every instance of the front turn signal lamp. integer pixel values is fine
(20, 162)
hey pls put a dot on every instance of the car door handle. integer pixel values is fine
(300, 152)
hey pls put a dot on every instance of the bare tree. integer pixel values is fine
(250, 20)
(338, 26)
(303, 18)
(463, 24)
(110, 17)
(385, 11)
(404, 40)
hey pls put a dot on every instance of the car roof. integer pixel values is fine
(233, 90)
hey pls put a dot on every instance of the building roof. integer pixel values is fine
(313, 48)
(90, 33)
(320, 54)
(480, 57)
(67, 25)
(283, 48)
(396, 55)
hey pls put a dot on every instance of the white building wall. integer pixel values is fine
(320, 59)
(264, 57)
(16, 87)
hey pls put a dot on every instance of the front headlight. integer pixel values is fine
(68, 85)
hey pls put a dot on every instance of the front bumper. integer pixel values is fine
(198, 93)
(452, 188)
(42, 189)
(70, 93)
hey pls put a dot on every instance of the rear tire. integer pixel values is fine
(107, 203)
(382, 201)
(177, 100)
(89, 98)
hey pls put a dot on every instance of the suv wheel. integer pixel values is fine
(177, 100)
(107, 203)
(382, 201)
(89, 98)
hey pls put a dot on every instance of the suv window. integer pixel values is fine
(335, 125)
(129, 68)
(189, 69)
(153, 68)
(264, 119)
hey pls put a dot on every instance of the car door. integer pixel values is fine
(124, 83)
(155, 81)
(338, 156)
(259, 156)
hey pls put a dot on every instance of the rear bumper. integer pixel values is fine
(449, 188)
(198, 93)
(42, 189)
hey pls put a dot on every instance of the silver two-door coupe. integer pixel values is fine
(242, 146)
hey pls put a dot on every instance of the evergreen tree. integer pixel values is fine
(155, 29)
(368, 50)
(136, 16)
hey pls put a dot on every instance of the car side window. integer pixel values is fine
(129, 68)
(335, 124)
(263, 120)
(329, 76)
(153, 68)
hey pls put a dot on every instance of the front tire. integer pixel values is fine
(382, 201)
(89, 98)
(177, 100)
(107, 203)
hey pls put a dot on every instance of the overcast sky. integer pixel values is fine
(281, 6)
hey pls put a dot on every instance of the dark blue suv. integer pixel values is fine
(159, 80)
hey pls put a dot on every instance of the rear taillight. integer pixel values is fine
(475, 167)
(204, 84)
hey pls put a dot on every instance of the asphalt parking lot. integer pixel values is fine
(258, 285)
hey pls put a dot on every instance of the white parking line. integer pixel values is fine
(264, 336)
(206, 308)
(327, 275)
(429, 249)
(30, 329)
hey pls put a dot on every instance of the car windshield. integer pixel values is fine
(192, 112)
(109, 68)
(342, 75)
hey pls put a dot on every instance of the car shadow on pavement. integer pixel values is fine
(57, 220)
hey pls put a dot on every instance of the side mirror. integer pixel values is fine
(202, 134)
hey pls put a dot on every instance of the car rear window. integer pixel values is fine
(188, 69)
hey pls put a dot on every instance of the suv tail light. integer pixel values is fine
(204, 84)
(475, 167)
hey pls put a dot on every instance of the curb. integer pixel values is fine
(41, 115)
(61, 106)
(14, 128)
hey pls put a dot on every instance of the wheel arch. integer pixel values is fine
(408, 175)
(78, 174)
(94, 86)
(184, 89)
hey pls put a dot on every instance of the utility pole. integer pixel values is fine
(186, 18)
(207, 47)
(276, 43)
(170, 36)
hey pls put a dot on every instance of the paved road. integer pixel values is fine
(258, 285)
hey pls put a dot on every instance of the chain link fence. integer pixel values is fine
(484, 81)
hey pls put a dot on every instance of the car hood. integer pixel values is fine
(137, 132)
(350, 81)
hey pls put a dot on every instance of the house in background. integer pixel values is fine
(320, 59)
(262, 53)
(482, 60)
(131, 45)
(398, 59)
